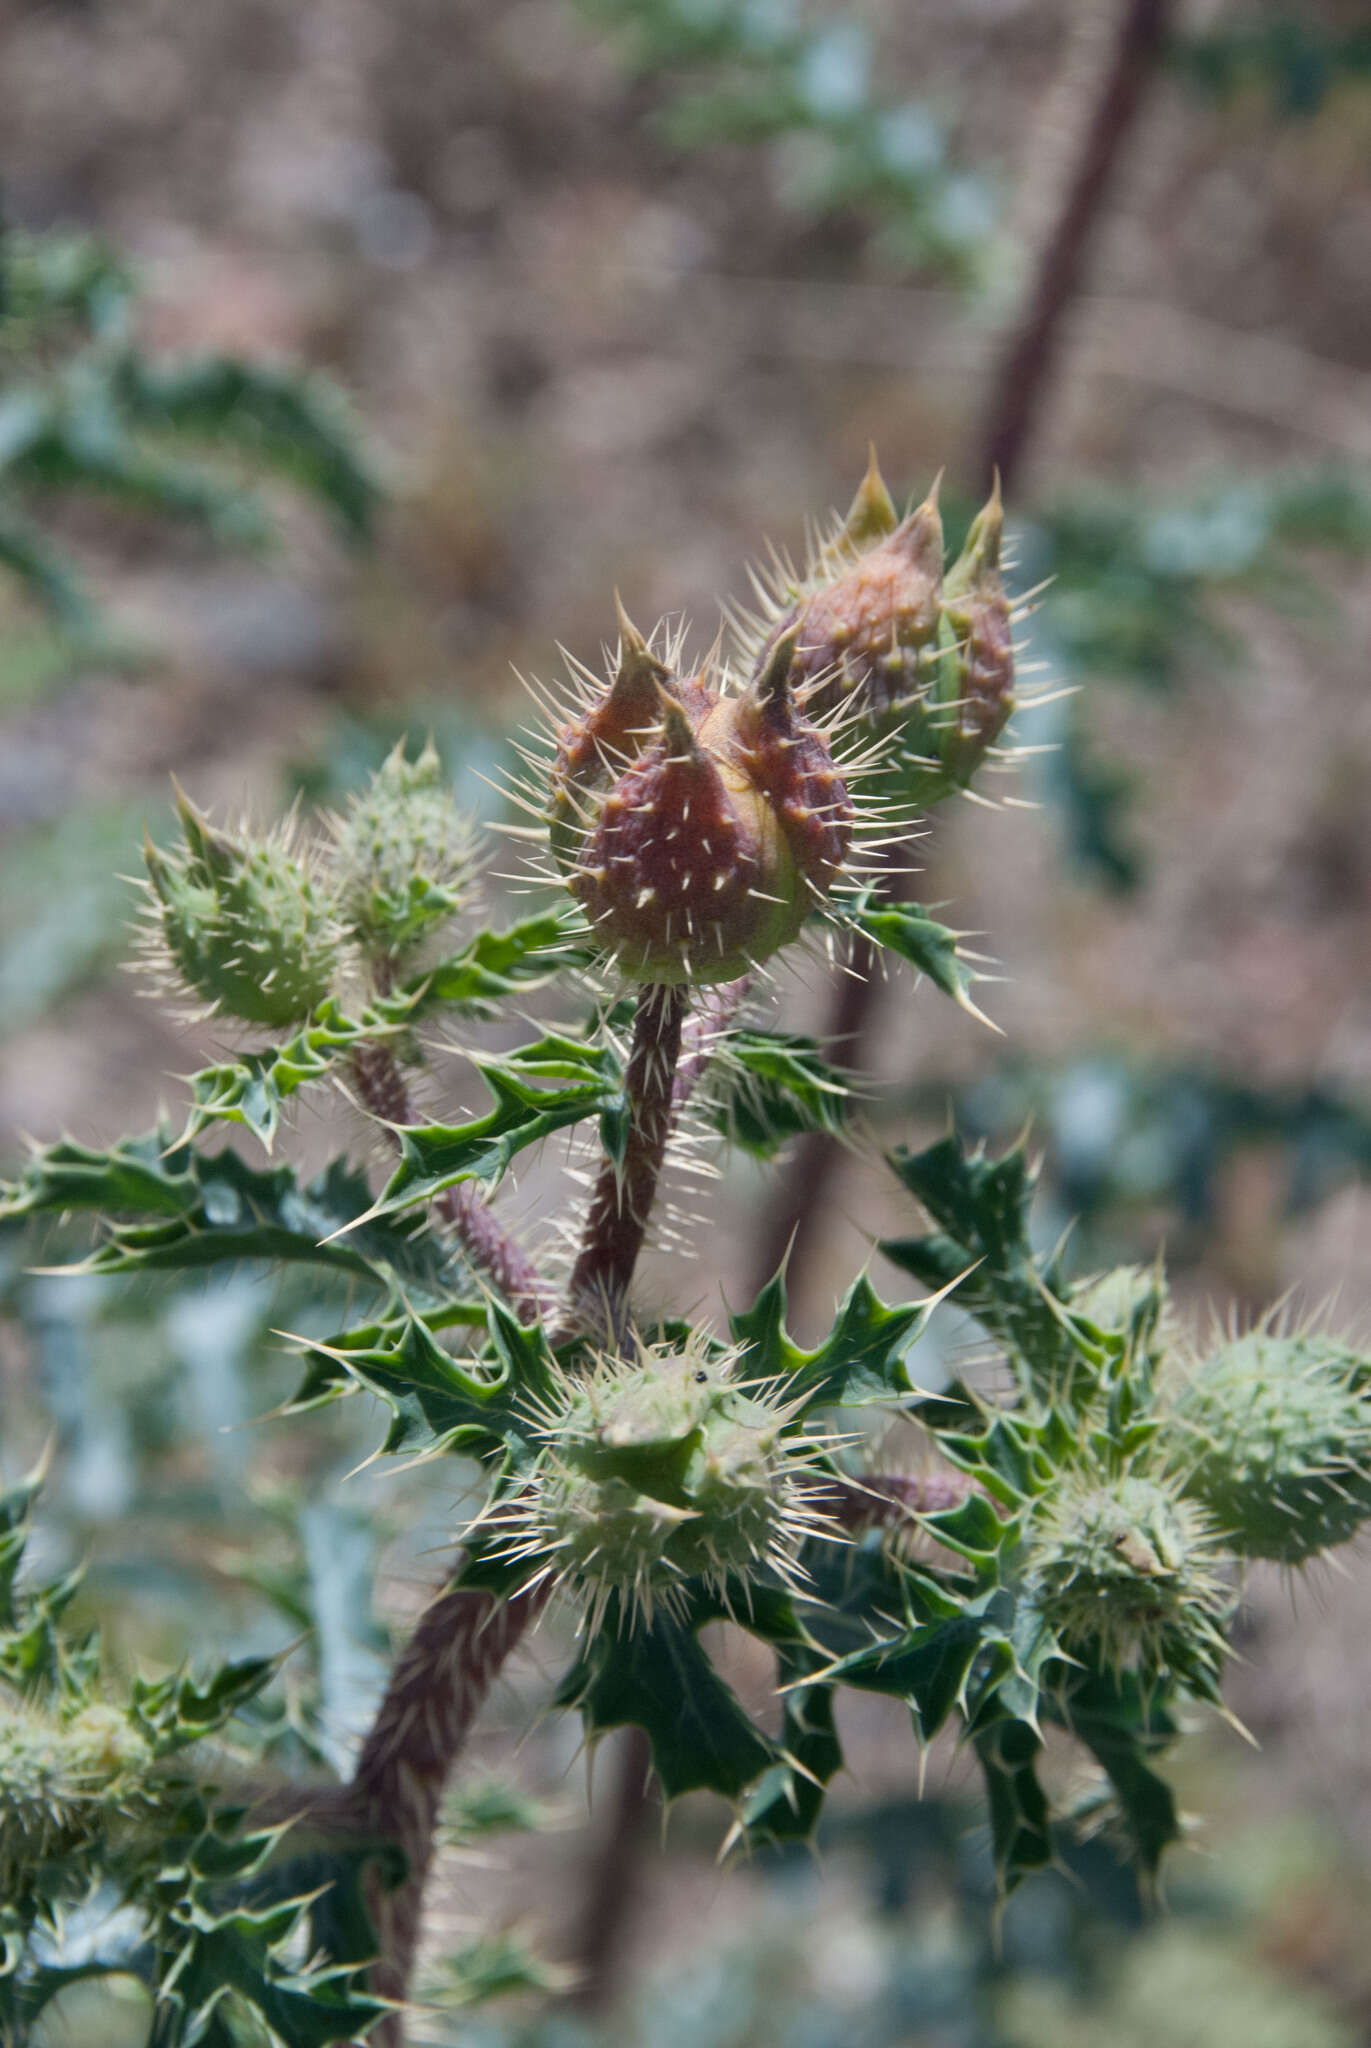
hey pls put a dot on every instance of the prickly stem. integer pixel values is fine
(715, 1008)
(446, 1670)
(436, 1690)
(483, 1238)
(621, 1204)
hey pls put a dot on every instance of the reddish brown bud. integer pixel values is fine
(704, 847)
(870, 627)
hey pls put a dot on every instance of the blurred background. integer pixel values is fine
(351, 355)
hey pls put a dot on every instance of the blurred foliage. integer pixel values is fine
(120, 1858)
(810, 93)
(890, 1943)
(1125, 1138)
(85, 410)
(1136, 588)
(1283, 55)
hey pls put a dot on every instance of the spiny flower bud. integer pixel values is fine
(404, 857)
(657, 1470)
(242, 922)
(696, 829)
(63, 1785)
(867, 614)
(973, 697)
(1275, 1442)
(925, 663)
(1123, 1567)
(1131, 1302)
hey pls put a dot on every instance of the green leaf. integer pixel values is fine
(929, 1665)
(1121, 1726)
(659, 1679)
(497, 1965)
(490, 968)
(252, 1090)
(861, 1360)
(787, 1800)
(436, 1402)
(1020, 1829)
(773, 1085)
(138, 1176)
(905, 929)
(16, 1505)
(218, 1208)
(285, 419)
(434, 1157)
(983, 1249)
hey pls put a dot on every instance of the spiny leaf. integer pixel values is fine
(438, 1156)
(218, 1948)
(215, 1209)
(928, 1665)
(495, 1966)
(137, 1177)
(251, 1090)
(180, 1709)
(862, 1359)
(787, 1800)
(659, 1679)
(1121, 1726)
(1020, 1830)
(983, 1248)
(436, 1401)
(491, 967)
(774, 1085)
(905, 929)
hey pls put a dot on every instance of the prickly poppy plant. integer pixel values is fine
(1070, 1557)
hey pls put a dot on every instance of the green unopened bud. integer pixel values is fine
(1131, 1305)
(241, 922)
(1124, 1569)
(1274, 1439)
(656, 1471)
(404, 857)
(64, 1785)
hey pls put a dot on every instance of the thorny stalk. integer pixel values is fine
(621, 1202)
(462, 1639)
(436, 1690)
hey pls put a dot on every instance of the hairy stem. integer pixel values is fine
(436, 1690)
(621, 1203)
(461, 1640)
(482, 1236)
(714, 1009)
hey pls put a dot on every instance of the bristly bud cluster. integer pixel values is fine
(1275, 1442)
(659, 1469)
(696, 826)
(265, 926)
(65, 1782)
(921, 658)
(242, 921)
(1124, 1568)
(404, 857)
